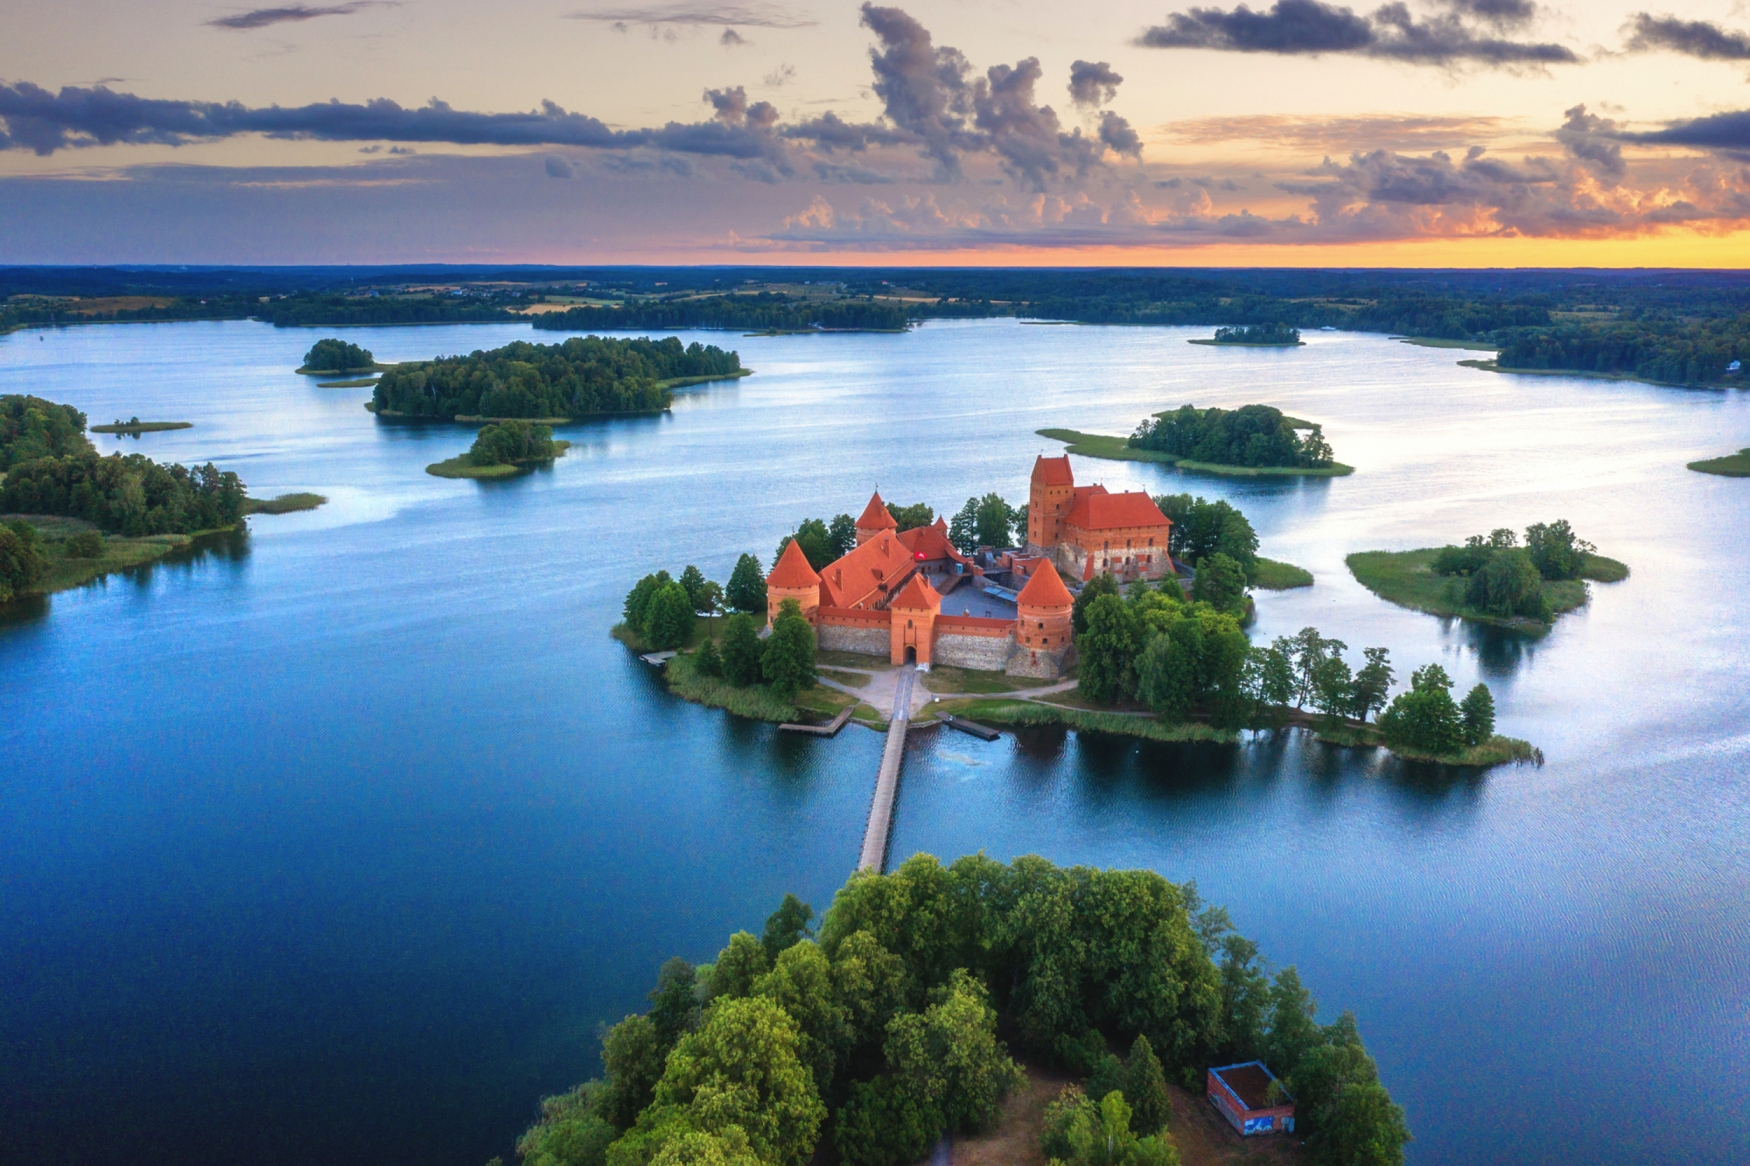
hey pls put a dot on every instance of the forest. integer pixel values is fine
(301, 311)
(1252, 435)
(763, 311)
(129, 495)
(32, 428)
(880, 1031)
(577, 378)
(333, 355)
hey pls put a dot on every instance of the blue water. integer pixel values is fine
(338, 842)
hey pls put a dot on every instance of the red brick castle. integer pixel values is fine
(885, 596)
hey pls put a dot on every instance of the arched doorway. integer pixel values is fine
(911, 654)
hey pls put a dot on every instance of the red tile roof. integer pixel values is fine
(792, 569)
(918, 596)
(1053, 471)
(1102, 511)
(876, 516)
(931, 542)
(867, 573)
(1045, 589)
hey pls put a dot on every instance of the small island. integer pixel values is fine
(333, 357)
(1492, 579)
(1255, 336)
(133, 426)
(1249, 442)
(1733, 465)
(501, 450)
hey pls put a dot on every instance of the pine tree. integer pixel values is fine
(747, 586)
(668, 621)
(789, 659)
(1145, 1087)
(710, 662)
(741, 650)
(1478, 709)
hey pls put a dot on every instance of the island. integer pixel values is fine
(133, 426)
(1733, 465)
(333, 357)
(760, 313)
(69, 515)
(584, 376)
(1492, 579)
(1248, 442)
(501, 450)
(1112, 992)
(1255, 336)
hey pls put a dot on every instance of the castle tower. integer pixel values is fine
(914, 611)
(1049, 498)
(792, 578)
(1043, 612)
(875, 519)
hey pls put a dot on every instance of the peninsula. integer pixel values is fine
(1255, 336)
(1732, 465)
(1492, 579)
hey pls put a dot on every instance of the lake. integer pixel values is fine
(339, 841)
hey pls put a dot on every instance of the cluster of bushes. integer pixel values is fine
(32, 428)
(987, 522)
(662, 610)
(22, 561)
(130, 495)
(1252, 435)
(1202, 528)
(784, 660)
(509, 442)
(1258, 334)
(1166, 652)
(580, 377)
(880, 1031)
(1505, 579)
(1427, 720)
(767, 310)
(333, 355)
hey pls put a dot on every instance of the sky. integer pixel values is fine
(1296, 132)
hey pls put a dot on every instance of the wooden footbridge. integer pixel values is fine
(874, 856)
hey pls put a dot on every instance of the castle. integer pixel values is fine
(885, 597)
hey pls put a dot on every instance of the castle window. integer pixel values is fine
(1041, 625)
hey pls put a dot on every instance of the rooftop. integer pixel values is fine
(870, 570)
(1045, 588)
(792, 569)
(1102, 511)
(875, 515)
(1053, 471)
(1251, 1081)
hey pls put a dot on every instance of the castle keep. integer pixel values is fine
(885, 597)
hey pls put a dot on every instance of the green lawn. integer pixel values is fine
(1275, 576)
(1117, 449)
(848, 679)
(946, 680)
(1734, 465)
(996, 711)
(1406, 578)
(360, 383)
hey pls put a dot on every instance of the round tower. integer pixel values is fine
(875, 519)
(792, 578)
(1043, 611)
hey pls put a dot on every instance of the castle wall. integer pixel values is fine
(862, 639)
(983, 653)
(1038, 663)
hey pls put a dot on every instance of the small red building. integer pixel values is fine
(1242, 1093)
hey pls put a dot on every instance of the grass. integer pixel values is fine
(1214, 343)
(848, 679)
(1734, 465)
(826, 658)
(1030, 713)
(284, 504)
(119, 554)
(1116, 449)
(1433, 342)
(460, 467)
(1275, 576)
(683, 382)
(360, 383)
(1407, 579)
(756, 702)
(946, 680)
(137, 427)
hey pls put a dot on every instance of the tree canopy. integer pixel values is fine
(1252, 435)
(32, 428)
(131, 495)
(510, 442)
(333, 355)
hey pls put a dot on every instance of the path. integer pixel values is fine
(874, 856)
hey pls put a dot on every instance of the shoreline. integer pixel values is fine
(141, 427)
(1494, 366)
(458, 467)
(1405, 579)
(1099, 445)
(1211, 342)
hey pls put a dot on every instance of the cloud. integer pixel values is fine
(1719, 131)
(558, 167)
(781, 76)
(731, 39)
(1312, 27)
(1093, 83)
(1503, 13)
(1117, 136)
(745, 15)
(291, 13)
(1692, 38)
(1339, 134)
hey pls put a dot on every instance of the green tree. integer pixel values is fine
(694, 581)
(1555, 550)
(1108, 651)
(1021, 525)
(787, 926)
(800, 983)
(674, 1002)
(571, 1132)
(1081, 1132)
(636, 609)
(1372, 683)
(1276, 674)
(633, 1054)
(1425, 718)
(710, 662)
(788, 663)
(1221, 583)
(872, 984)
(32, 428)
(1333, 689)
(1091, 590)
(1508, 585)
(1310, 650)
(1145, 1087)
(843, 535)
(1166, 670)
(994, 520)
(332, 355)
(816, 541)
(742, 650)
(669, 618)
(913, 516)
(510, 442)
(1478, 711)
(87, 544)
(22, 562)
(963, 528)
(747, 586)
(738, 967)
(885, 1123)
(949, 1054)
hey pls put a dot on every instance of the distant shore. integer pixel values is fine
(1118, 449)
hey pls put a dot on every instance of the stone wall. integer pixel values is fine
(981, 653)
(869, 641)
(1038, 663)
